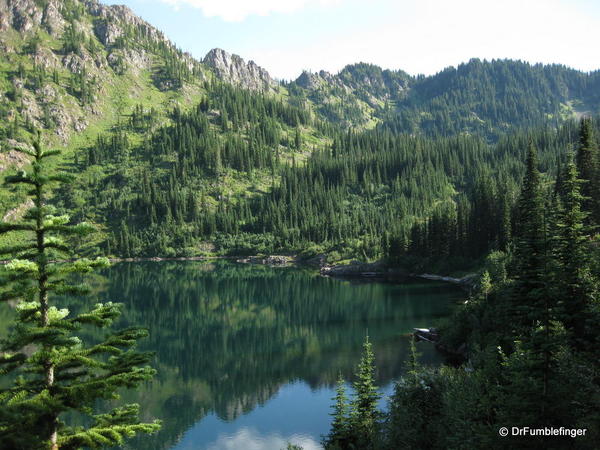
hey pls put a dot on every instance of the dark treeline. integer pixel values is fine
(411, 199)
(529, 330)
(378, 193)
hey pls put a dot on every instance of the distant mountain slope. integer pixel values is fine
(491, 97)
(68, 64)
(478, 97)
(357, 96)
(75, 69)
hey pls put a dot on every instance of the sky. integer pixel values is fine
(418, 36)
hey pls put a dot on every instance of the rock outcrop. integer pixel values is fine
(54, 101)
(358, 95)
(233, 69)
(466, 281)
(357, 269)
(22, 15)
(271, 260)
(315, 80)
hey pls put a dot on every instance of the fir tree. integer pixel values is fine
(531, 369)
(415, 407)
(53, 371)
(587, 167)
(338, 437)
(577, 288)
(530, 248)
(365, 416)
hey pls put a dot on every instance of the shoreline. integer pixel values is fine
(356, 270)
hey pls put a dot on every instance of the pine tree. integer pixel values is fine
(531, 368)
(52, 370)
(587, 167)
(338, 437)
(577, 288)
(485, 285)
(531, 256)
(365, 416)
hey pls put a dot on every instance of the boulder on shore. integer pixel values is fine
(355, 269)
(271, 260)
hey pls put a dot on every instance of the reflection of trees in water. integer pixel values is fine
(228, 336)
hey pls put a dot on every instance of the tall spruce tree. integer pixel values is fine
(365, 416)
(338, 437)
(531, 247)
(357, 425)
(587, 167)
(530, 370)
(53, 370)
(577, 287)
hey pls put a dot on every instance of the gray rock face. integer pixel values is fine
(23, 15)
(308, 80)
(107, 32)
(111, 19)
(314, 80)
(53, 19)
(235, 70)
(369, 82)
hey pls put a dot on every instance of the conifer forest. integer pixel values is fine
(196, 254)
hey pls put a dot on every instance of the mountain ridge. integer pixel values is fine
(158, 136)
(109, 43)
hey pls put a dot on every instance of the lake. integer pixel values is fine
(248, 355)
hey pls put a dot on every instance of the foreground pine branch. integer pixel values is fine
(52, 370)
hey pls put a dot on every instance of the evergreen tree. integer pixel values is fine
(52, 370)
(587, 167)
(415, 408)
(364, 416)
(577, 288)
(531, 258)
(338, 437)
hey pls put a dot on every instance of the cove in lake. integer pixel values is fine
(248, 355)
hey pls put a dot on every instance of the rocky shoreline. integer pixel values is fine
(358, 269)
(381, 270)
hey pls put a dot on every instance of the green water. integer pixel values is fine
(247, 355)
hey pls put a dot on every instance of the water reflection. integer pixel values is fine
(247, 355)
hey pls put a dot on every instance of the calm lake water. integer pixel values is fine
(247, 355)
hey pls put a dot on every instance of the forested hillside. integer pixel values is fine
(182, 157)
(526, 339)
(201, 186)
(487, 98)
(170, 191)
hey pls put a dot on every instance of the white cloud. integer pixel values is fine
(250, 439)
(440, 33)
(238, 10)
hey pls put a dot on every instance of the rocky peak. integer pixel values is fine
(233, 69)
(112, 20)
(28, 15)
(371, 83)
(313, 80)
